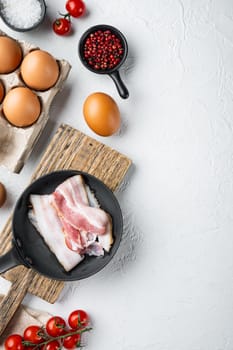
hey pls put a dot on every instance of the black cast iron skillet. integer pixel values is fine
(29, 248)
(113, 73)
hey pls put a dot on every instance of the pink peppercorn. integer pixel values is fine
(103, 50)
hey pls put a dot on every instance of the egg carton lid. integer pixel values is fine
(16, 144)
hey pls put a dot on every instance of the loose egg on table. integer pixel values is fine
(102, 114)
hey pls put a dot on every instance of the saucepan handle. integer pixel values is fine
(121, 88)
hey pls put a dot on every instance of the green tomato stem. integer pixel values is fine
(49, 339)
(65, 15)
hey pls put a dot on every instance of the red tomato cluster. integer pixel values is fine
(53, 336)
(75, 8)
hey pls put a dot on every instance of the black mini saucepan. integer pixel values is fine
(112, 72)
(28, 246)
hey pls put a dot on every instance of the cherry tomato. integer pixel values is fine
(78, 318)
(55, 326)
(52, 345)
(76, 8)
(14, 342)
(33, 334)
(71, 341)
(61, 26)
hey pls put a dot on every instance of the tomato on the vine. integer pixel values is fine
(54, 335)
(33, 334)
(52, 345)
(78, 319)
(14, 342)
(55, 326)
(76, 8)
(72, 341)
(61, 26)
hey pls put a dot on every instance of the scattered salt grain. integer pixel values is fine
(21, 14)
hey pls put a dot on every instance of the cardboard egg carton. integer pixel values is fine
(16, 143)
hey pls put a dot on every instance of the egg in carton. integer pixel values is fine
(16, 143)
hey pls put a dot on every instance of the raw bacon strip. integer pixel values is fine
(73, 237)
(92, 200)
(44, 217)
(82, 217)
(74, 188)
(105, 240)
(90, 245)
(79, 191)
(72, 245)
(79, 215)
(88, 238)
(76, 240)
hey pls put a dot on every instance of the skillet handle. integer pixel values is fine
(121, 88)
(14, 297)
(9, 260)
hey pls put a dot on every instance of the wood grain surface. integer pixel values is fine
(14, 297)
(68, 149)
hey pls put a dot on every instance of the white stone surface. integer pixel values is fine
(170, 286)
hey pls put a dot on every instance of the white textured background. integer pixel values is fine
(170, 286)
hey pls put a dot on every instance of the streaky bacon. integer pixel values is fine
(73, 237)
(76, 240)
(106, 240)
(74, 189)
(44, 217)
(70, 200)
(77, 225)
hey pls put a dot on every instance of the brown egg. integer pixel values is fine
(2, 91)
(39, 70)
(10, 54)
(2, 194)
(21, 106)
(102, 114)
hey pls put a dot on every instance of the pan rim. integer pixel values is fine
(99, 27)
(68, 276)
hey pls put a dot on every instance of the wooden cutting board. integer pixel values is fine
(68, 149)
